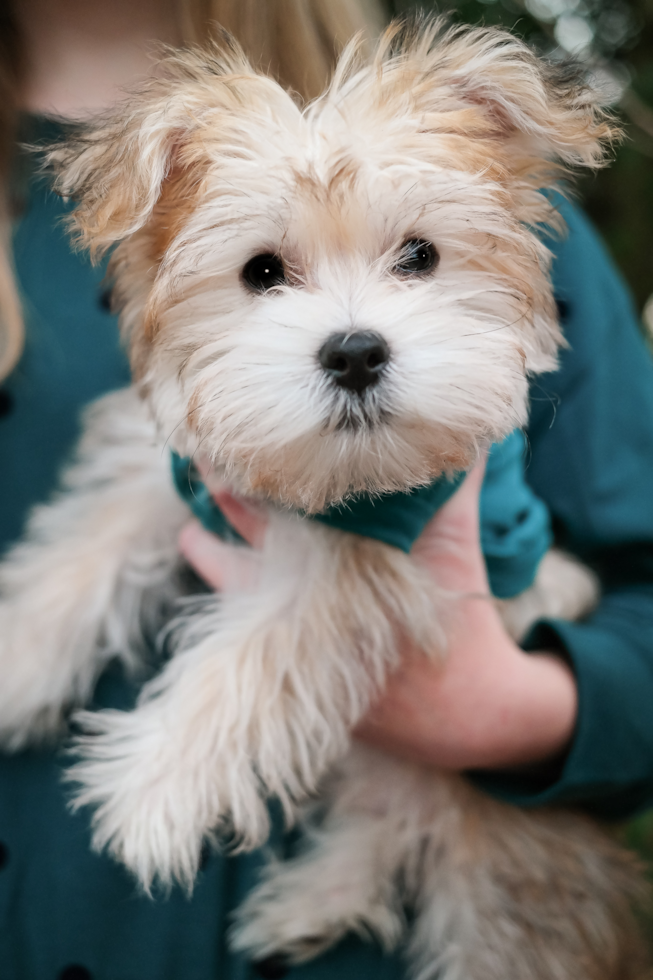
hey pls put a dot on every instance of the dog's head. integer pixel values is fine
(346, 297)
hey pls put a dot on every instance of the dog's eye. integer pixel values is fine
(263, 272)
(417, 257)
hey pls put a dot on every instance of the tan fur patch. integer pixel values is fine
(566, 886)
(181, 193)
(194, 405)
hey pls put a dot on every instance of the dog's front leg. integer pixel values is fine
(348, 876)
(257, 702)
(71, 593)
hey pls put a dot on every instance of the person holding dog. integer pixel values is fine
(567, 721)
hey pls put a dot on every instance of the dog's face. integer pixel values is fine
(333, 318)
(346, 298)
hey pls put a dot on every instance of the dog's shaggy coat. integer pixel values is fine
(450, 137)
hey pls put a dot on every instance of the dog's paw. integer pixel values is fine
(298, 913)
(564, 589)
(156, 797)
(136, 787)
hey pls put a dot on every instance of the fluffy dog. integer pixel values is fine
(249, 233)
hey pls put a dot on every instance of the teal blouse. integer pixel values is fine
(69, 914)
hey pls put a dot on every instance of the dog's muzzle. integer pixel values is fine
(354, 361)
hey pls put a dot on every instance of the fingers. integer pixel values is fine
(250, 523)
(224, 567)
(244, 516)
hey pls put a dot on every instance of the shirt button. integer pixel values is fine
(6, 402)
(105, 300)
(563, 309)
(272, 968)
(4, 855)
(75, 972)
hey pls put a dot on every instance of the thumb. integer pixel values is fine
(460, 514)
(450, 546)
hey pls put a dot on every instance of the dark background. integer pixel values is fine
(615, 39)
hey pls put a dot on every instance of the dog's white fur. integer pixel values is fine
(448, 137)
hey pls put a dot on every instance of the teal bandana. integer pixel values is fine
(515, 528)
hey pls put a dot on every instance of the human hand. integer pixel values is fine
(489, 705)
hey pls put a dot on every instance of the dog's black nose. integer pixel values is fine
(354, 360)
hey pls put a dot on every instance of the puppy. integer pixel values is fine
(252, 236)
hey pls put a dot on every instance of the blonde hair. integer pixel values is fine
(11, 72)
(296, 41)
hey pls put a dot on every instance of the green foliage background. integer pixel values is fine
(616, 36)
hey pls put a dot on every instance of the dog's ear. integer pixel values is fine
(542, 109)
(548, 105)
(114, 168)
